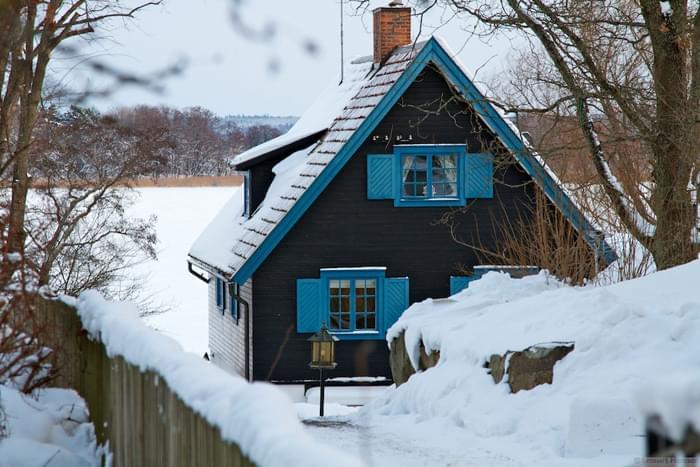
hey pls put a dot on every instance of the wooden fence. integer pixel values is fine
(145, 423)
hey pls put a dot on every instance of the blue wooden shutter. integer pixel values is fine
(395, 299)
(234, 303)
(479, 175)
(219, 285)
(459, 283)
(380, 176)
(309, 305)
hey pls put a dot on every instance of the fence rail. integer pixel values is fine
(144, 421)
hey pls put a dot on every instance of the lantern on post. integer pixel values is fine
(322, 357)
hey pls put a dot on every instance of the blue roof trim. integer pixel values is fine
(432, 52)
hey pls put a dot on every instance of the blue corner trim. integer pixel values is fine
(432, 52)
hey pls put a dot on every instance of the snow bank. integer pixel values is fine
(50, 428)
(628, 336)
(258, 417)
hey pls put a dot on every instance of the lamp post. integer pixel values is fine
(322, 357)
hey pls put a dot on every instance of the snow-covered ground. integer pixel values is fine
(50, 428)
(637, 351)
(182, 215)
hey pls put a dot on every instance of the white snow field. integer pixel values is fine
(635, 343)
(182, 215)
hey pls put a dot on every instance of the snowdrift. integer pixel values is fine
(629, 337)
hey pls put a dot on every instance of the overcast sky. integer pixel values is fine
(229, 73)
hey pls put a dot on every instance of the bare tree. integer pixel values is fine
(635, 65)
(200, 142)
(79, 233)
(30, 33)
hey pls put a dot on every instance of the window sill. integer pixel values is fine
(357, 335)
(428, 202)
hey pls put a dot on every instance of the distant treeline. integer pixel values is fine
(176, 142)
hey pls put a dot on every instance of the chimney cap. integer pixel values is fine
(393, 3)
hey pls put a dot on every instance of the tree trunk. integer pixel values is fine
(20, 188)
(673, 150)
(675, 218)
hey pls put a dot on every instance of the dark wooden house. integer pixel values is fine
(336, 222)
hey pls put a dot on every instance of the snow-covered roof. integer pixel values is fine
(214, 244)
(281, 142)
(343, 109)
(340, 109)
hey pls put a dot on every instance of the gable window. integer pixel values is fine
(429, 175)
(354, 303)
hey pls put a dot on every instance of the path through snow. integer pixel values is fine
(401, 441)
(405, 441)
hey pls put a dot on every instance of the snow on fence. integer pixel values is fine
(157, 405)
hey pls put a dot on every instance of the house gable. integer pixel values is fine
(434, 53)
(344, 230)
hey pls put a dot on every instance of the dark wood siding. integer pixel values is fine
(344, 229)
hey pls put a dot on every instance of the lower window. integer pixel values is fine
(352, 304)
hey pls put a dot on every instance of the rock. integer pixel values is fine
(529, 367)
(401, 368)
(526, 368)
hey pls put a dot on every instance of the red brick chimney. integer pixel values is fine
(392, 28)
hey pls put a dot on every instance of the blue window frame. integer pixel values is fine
(354, 303)
(429, 175)
(353, 300)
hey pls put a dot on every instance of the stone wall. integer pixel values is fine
(525, 369)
